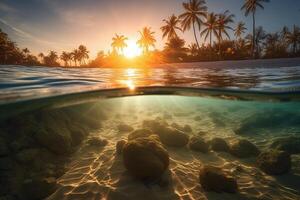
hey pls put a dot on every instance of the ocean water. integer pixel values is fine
(59, 129)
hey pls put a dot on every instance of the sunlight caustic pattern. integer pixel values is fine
(132, 50)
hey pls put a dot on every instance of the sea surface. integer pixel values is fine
(279, 75)
(59, 128)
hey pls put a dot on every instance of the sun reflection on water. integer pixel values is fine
(130, 73)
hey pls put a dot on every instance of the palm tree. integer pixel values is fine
(195, 11)
(176, 44)
(26, 51)
(284, 32)
(239, 30)
(169, 29)
(41, 56)
(66, 57)
(223, 21)
(146, 39)
(260, 35)
(193, 49)
(250, 6)
(293, 38)
(84, 53)
(53, 55)
(211, 26)
(76, 56)
(175, 49)
(51, 59)
(275, 46)
(119, 43)
(272, 39)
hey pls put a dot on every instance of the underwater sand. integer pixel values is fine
(99, 173)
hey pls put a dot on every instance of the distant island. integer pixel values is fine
(213, 28)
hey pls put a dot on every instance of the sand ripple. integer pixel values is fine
(97, 173)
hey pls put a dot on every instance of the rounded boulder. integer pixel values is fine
(243, 149)
(274, 162)
(214, 179)
(198, 144)
(145, 158)
(219, 145)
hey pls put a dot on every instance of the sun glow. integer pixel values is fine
(132, 50)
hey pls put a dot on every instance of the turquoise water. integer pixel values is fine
(49, 120)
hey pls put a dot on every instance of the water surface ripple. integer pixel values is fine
(20, 82)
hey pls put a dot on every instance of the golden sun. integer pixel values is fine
(132, 50)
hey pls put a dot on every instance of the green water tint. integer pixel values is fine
(36, 145)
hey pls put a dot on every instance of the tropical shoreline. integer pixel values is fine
(278, 62)
(222, 38)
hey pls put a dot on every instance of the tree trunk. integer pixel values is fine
(219, 44)
(196, 36)
(254, 36)
(210, 47)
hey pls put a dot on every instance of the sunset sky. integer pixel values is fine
(43, 25)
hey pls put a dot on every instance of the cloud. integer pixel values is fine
(19, 32)
(27, 36)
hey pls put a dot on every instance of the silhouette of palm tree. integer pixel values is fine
(41, 56)
(51, 59)
(119, 43)
(146, 39)
(239, 30)
(250, 6)
(223, 21)
(260, 36)
(195, 11)
(169, 30)
(293, 38)
(26, 52)
(76, 55)
(285, 30)
(211, 27)
(84, 53)
(193, 49)
(66, 57)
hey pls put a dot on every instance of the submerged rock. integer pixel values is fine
(78, 134)
(96, 141)
(145, 158)
(35, 189)
(140, 133)
(173, 137)
(57, 141)
(198, 144)
(274, 162)
(214, 179)
(27, 155)
(124, 128)
(289, 144)
(186, 128)
(154, 125)
(219, 145)
(20, 143)
(243, 149)
(119, 146)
